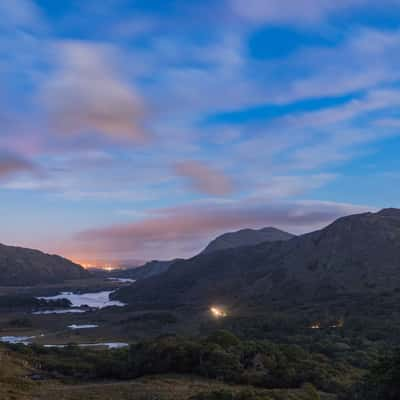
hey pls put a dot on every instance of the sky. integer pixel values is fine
(141, 129)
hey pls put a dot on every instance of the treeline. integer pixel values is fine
(382, 382)
(13, 302)
(220, 356)
(224, 357)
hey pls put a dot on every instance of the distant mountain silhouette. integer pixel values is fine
(20, 266)
(246, 237)
(147, 270)
(355, 254)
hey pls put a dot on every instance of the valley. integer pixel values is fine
(305, 317)
(85, 301)
(199, 200)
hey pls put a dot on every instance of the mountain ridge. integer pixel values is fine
(240, 238)
(246, 237)
(354, 254)
(147, 270)
(23, 266)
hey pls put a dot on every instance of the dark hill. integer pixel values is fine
(356, 254)
(244, 237)
(25, 267)
(247, 237)
(151, 268)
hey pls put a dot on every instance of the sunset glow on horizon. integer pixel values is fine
(96, 265)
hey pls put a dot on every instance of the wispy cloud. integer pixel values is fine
(204, 178)
(284, 187)
(300, 12)
(124, 107)
(85, 94)
(20, 13)
(183, 231)
(11, 165)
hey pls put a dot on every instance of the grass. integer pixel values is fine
(16, 384)
(170, 387)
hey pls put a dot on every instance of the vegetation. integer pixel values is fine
(20, 379)
(161, 317)
(15, 302)
(257, 369)
(221, 356)
(22, 322)
(382, 382)
(326, 345)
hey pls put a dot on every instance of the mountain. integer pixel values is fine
(358, 254)
(246, 237)
(26, 267)
(147, 270)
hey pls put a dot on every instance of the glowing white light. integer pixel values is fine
(218, 312)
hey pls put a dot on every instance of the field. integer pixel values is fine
(17, 382)
(160, 387)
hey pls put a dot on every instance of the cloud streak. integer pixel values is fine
(11, 165)
(203, 178)
(300, 12)
(85, 94)
(183, 231)
(20, 13)
(223, 117)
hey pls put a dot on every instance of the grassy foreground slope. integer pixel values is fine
(219, 367)
(71, 374)
(16, 383)
(167, 387)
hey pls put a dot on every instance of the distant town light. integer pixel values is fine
(97, 265)
(218, 312)
(336, 325)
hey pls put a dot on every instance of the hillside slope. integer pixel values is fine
(244, 237)
(20, 266)
(151, 268)
(355, 254)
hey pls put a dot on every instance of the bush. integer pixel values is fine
(382, 382)
(223, 338)
(21, 322)
(220, 356)
(229, 395)
(311, 392)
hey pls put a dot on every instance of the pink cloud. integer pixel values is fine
(86, 94)
(183, 231)
(203, 178)
(11, 165)
(296, 12)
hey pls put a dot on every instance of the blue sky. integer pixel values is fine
(142, 129)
